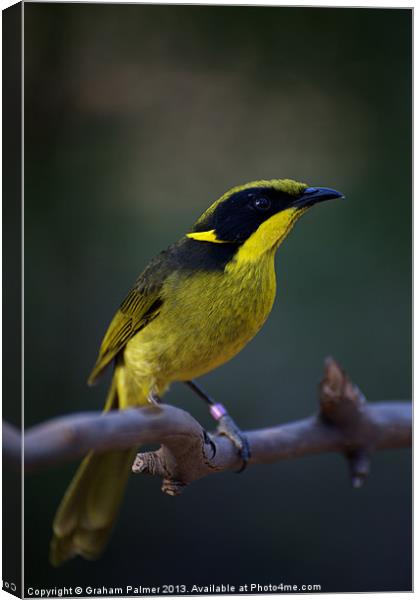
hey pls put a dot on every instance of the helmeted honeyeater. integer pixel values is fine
(194, 307)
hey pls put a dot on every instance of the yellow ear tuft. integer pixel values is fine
(206, 236)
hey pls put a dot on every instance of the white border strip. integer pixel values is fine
(23, 294)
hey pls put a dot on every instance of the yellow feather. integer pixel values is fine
(267, 237)
(86, 515)
(206, 236)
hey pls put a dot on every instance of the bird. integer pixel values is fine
(193, 308)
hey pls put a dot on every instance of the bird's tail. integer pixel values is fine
(89, 508)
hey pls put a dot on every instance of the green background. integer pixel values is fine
(137, 118)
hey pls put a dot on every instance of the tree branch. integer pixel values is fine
(346, 423)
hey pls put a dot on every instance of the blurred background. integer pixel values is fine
(137, 118)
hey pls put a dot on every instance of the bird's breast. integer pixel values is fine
(206, 318)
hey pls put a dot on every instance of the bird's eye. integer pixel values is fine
(262, 203)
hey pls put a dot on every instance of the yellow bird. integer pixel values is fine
(194, 307)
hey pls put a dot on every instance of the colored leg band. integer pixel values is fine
(217, 411)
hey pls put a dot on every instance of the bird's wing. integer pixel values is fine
(141, 306)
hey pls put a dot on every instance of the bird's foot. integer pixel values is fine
(154, 399)
(227, 427)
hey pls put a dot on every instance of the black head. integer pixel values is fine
(242, 210)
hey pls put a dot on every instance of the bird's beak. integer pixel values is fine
(312, 195)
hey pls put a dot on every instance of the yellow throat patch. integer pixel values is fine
(269, 235)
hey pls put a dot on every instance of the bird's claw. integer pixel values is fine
(208, 441)
(153, 398)
(227, 427)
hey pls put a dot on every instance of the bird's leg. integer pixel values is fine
(226, 425)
